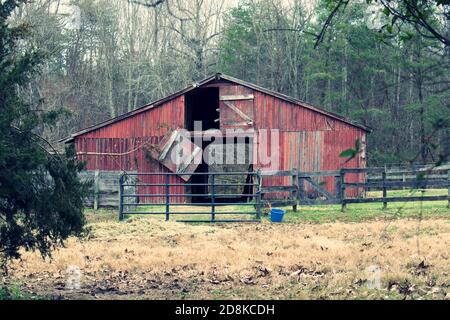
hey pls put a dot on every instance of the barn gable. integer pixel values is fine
(288, 118)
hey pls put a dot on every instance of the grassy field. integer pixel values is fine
(329, 213)
(318, 253)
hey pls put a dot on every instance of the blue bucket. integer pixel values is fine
(276, 215)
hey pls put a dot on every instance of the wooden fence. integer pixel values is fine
(304, 188)
(104, 190)
(370, 179)
(280, 194)
(384, 179)
(105, 187)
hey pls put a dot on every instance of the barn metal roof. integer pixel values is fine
(215, 77)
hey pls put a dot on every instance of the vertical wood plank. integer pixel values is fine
(383, 175)
(337, 183)
(342, 195)
(448, 179)
(294, 183)
(301, 190)
(96, 189)
(121, 216)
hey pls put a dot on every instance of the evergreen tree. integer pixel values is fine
(396, 84)
(41, 196)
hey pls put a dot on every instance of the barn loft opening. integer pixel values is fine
(202, 105)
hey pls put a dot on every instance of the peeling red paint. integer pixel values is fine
(308, 140)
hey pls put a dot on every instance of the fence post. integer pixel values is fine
(213, 191)
(258, 194)
(337, 187)
(96, 188)
(448, 179)
(342, 194)
(294, 179)
(121, 197)
(383, 175)
(301, 189)
(404, 179)
(167, 196)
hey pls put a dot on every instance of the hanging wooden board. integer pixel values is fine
(178, 154)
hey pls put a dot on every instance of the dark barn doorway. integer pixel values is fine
(236, 153)
(236, 156)
(202, 105)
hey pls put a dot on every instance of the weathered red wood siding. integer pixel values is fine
(309, 140)
(130, 134)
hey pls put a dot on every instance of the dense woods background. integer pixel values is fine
(107, 57)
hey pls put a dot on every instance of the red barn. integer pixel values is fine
(299, 135)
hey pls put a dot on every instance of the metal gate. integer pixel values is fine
(165, 193)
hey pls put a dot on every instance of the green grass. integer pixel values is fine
(310, 214)
(13, 292)
(371, 211)
(222, 212)
(410, 193)
(368, 211)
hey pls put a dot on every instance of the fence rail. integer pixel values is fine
(373, 178)
(290, 191)
(414, 177)
(262, 188)
(211, 196)
(104, 190)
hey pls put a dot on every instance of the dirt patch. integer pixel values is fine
(148, 258)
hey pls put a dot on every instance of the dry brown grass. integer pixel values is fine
(146, 257)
